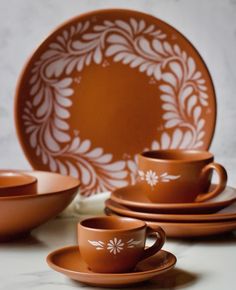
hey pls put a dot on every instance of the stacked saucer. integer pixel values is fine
(214, 216)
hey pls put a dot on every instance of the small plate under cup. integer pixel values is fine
(134, 198)
(68, 261)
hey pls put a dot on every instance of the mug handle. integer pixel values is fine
(220, 170)
(160, 240)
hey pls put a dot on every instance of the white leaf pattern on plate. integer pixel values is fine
(140, 46)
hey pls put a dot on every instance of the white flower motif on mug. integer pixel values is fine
(151, 178)
(115, 246)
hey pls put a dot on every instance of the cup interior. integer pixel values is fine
(112, 223)
(177, 155)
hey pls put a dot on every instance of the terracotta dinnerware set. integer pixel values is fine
(100, 89)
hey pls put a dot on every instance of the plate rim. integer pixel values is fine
(70, 191)
(183, 206)
(94, 274)
(189, 224)
(180, 218)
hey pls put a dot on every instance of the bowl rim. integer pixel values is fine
(41, 195)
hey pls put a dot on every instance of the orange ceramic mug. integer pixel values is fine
(116, 244)
(179, 176)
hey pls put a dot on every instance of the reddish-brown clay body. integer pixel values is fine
(16, 183)
(20, 214)
(116, 245)
(176, 176)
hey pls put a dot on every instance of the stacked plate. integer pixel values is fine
(214, 216)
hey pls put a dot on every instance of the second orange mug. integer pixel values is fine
(179, 176)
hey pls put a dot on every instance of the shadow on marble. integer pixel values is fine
(22, 241)
(227, 238)
(175, 278)
(52, 234)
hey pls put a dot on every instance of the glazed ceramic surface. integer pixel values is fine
(134, 197)
(229, 213)
(16, 183)
(189, 229)
(68, 261)
(116, 245)
(20, 214)
(169, 176)
(103, 87)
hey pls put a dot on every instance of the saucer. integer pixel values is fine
(68, 261)
(134, 197)
(228, 213)
(147, 81)
(20, 214)
(189, 230)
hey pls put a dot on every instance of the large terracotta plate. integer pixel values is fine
(107, 85)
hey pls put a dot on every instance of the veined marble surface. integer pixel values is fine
(206, 264)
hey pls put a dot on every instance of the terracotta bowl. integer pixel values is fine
(16, 183)
(20, 214)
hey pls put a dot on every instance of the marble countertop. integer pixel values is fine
(206, 264)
